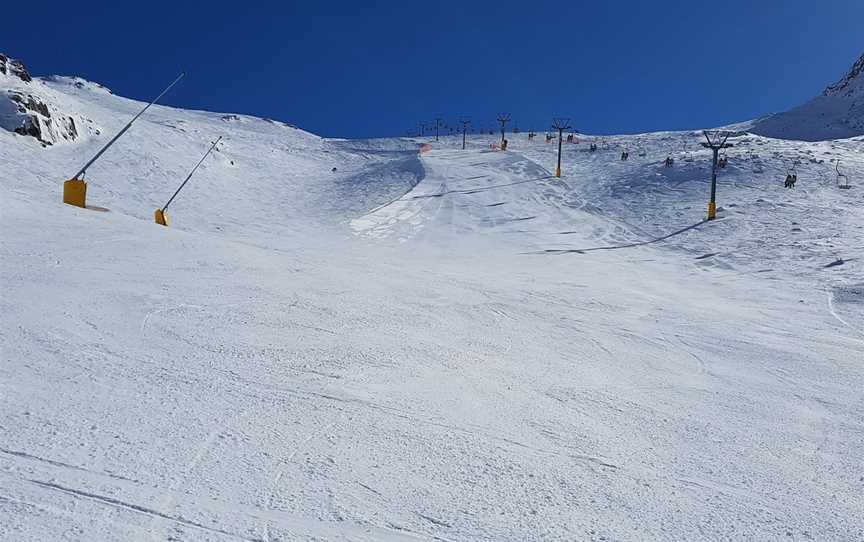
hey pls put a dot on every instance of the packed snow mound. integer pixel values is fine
(837, 114)
(29, 108)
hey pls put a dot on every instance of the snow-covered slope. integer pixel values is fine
(838, 113)
(452, 345)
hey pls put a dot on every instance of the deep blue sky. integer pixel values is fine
(366, 68)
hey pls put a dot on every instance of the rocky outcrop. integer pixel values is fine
(14, 68)
(32, 117)
(25, 110)
(852, 82)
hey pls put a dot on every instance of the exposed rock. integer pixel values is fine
(848, 83)
(16, 68)
(28, 110)
(27, 114)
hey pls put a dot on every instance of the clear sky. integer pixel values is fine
(367, 68)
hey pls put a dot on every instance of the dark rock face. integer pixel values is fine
(14, 67)
(29, 102)
(29, 128)
(32, 117)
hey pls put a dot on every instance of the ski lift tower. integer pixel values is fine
(503, 119)
(465, 122)
(716, 141)
(560, 124)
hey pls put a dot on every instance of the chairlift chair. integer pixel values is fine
(791, 176)
(842, 176)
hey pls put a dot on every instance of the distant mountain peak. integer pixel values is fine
(853, 79)
(837, 113)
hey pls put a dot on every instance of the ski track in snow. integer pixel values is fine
(839, 318)
(277, 479)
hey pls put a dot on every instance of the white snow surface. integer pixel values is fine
(452, 345)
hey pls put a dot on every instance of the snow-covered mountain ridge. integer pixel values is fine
(838, 113)
(852, 84)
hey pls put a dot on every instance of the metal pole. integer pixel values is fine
(558, 171)
(503, 119)
(712, 205)
(560, 124)
(123, 131)
(719, 142)
(213, 146)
